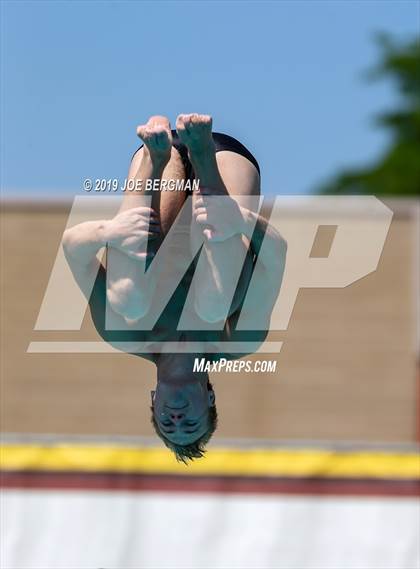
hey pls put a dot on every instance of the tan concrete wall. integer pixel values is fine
(347, 370)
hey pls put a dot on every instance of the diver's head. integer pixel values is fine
(183, 409)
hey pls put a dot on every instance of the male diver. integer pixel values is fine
(183, 404)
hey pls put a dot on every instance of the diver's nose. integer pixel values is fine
(176, 416)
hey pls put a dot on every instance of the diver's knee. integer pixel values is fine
(126, 299)
(211, 307)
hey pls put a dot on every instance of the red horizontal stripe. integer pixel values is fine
(208, 484)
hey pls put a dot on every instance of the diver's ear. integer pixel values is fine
(152, 395)
(211, 397)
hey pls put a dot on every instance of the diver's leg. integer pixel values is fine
(156, 160)
(223, 173)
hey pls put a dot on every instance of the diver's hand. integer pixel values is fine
(130, 230)
(221, 216)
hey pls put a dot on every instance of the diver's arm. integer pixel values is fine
(128, 231)
(221, 217)
(82, 242)
(258, 229)
(271, 249)
(261, 296)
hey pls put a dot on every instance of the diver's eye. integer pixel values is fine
(190, 423)
(166, 423)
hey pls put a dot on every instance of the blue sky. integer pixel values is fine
(283, 77)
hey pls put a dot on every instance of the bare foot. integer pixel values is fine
(157, 138)
(195, 132)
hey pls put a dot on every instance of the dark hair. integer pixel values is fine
(184, 453)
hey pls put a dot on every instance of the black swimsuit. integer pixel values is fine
(221, 141)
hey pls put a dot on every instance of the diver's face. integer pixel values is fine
(181, 410)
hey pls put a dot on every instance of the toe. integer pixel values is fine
(180, 124)
(181, 120)
(141, 130)
(193, 119)
(184, 123)
(205, 120)
(159, 120)
(158, 130)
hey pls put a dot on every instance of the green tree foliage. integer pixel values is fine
(397, 171)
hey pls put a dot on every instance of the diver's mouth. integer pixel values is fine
(177, 408)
